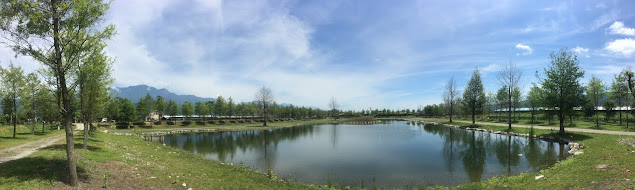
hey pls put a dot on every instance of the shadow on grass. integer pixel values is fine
(40, 168)
(12, 138)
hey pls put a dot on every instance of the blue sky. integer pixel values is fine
(379, 54)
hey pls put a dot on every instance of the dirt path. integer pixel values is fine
(553, 128)
(23, 150)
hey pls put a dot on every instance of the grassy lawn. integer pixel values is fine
(574, 172)
(23, 134)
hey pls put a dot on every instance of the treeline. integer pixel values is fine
(558, 95)
(124, 110)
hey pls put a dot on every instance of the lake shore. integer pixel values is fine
(128, 162)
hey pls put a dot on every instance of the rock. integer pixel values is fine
(189, 188)
(539, 177)
(164, 144)
(184, 185)
(602, 166)
(520, 154)
(153, 177)
(578, 153)
(573, 150)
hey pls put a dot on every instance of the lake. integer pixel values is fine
(389, 154)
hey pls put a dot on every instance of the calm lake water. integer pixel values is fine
(391, 154)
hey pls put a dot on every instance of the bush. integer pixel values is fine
(200, 123)
(186, 123)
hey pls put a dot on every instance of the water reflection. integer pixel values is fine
(395, 153)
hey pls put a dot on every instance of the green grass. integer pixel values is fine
(23, 134)
(575, 172)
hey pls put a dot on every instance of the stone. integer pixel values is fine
(184, 185)
(602, 166)
(539, 177)
(578, 153)
(520, 154)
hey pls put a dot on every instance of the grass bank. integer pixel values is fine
(576, 171)
(23, 134)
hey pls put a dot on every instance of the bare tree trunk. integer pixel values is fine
(509, 109)
(561, 118)
(15, 118)
(61, 75)
(86, 128)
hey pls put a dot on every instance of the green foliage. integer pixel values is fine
(561, 86)
(474, 94)
(595, 93)
(145, 106)
(187, 109)
(159, 106)
(230, 106)
(172, 108)
(201, 109)
(534, 100)
(127, 111)
(220, 106)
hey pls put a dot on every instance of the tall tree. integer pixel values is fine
(127, 111)
(450, 94)
(595, 92)
(264, 97)
(619, 92)
(501, 100)
(562, 88)
(534, 99)
(13, 82)
(93, 80)
(334, 106)
(509, 77)
(32, 87)
(201, 109)
(474, 95)
(219, 106)
(187, 110)
(172, 109)
(159, 106)
(54, 33)
(230, 107)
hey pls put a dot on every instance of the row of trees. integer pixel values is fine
(68, 39)
(559, 93)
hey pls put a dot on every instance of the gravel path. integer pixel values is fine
(555, 128)
(23, 150)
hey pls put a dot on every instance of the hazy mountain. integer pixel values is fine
(133, 93)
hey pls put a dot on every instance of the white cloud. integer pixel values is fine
(528, 50)
(625, 46)
(581, 51)
(619, 28)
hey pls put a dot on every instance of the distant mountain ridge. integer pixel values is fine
(133, 93)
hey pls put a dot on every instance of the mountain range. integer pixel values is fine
(133, 93)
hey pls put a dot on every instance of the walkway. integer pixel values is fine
(26, 149)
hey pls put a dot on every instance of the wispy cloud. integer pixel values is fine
(581, 51)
